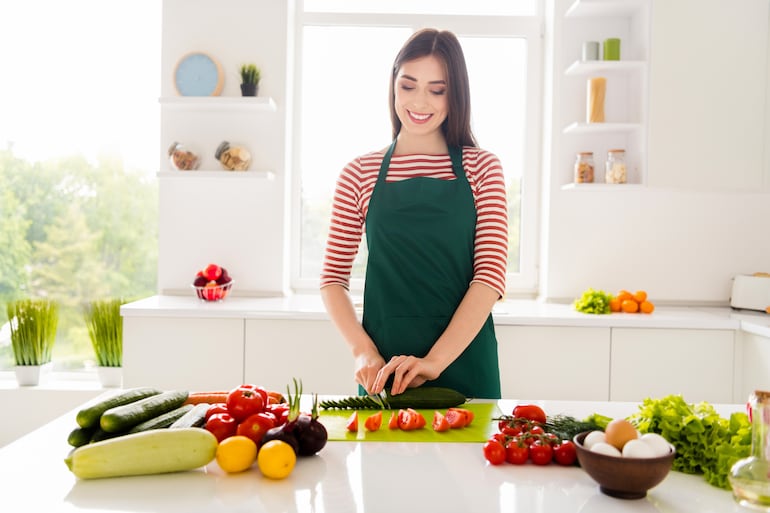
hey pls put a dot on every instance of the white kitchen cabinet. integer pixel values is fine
(625, 103)
(649, 362)
(549, 362)
(276, 351)
(708, 95)
(753, 364)
(182, 352)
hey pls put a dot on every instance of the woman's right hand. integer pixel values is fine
(367, 366)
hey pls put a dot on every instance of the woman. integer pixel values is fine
(434, 209)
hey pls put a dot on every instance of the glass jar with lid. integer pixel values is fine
(584, 167)
(181, 158)
(615, 167)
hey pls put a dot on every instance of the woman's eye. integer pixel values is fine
(406, 87)
(439, 92)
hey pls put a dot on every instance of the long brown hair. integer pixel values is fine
(445, 46)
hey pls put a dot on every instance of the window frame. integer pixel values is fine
(523, 283)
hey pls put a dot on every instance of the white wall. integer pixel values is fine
(679, 239)
(699, 220)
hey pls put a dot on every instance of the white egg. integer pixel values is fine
(637, 449)
(593, 438)
(605, 448)
(658, 444)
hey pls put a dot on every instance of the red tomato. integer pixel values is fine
(541, 453)
(373, 422)
(216, 408)
(246, 400)
(352, 424)
(565, 453)
(222, 425)
(494, 452)
(420, 419)
(516, 452)
(455, 419)
(511, 430)
(530, 411)
(535, 432)
(439, 422)
(393, 422)
(466, 412)
(551, 439)
(406, 420)
(255, 426)
(500, 437)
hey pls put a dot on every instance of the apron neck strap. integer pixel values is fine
(455, 154)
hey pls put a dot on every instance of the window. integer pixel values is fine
(343, 60)
(78, 156)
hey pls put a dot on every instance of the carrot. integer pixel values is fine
(206, 397)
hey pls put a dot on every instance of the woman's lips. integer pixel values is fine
(419, 118)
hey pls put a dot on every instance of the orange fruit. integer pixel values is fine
(640, 296)
(615, 304)
(630, 306)
(646, 307)
(623, 295)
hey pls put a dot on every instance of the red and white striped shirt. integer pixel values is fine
(354, 189)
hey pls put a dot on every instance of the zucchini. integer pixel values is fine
(195, 417)
(89, 415)
(163, 420)
(123, 418)
(150, 452)
(425, 397)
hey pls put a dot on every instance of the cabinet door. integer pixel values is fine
(279, 350)
(696, 364)
(708, 87)
(538, 362)
(184, 353)
(753, 364)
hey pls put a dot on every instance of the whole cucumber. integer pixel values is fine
(163, 420)
(123, 418)
(89, 415)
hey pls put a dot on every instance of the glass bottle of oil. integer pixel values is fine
(750, 477)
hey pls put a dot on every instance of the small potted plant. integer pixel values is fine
(250, 76)
(105, 329)
(33, 333)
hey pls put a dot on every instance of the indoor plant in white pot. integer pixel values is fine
(33, 333)
(105, 329)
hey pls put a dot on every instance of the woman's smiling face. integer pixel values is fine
(420, 95)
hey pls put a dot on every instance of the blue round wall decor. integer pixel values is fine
(198, 74)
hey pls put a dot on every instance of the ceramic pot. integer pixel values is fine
(248, 89)
(30, 375)
(110, 377)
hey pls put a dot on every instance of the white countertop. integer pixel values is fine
(346, 477)
(509, 312)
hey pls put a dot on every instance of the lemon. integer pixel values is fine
(236, 453)
(276, 459)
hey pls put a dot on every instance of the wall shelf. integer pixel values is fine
(240, 103)
(591, 67)
(600, 128)
(590, 8)
(227, 175)
(614, 187)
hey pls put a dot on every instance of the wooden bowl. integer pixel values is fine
(624, 478)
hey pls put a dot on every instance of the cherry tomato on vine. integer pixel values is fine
(565, 453)
(541, 453)
(494, 452)
(516, 452)
(530, 411)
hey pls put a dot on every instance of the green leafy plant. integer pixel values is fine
(593, 302)
(105, 329)
(33, 330)
(250, 74)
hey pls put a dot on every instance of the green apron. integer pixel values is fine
(420, 234)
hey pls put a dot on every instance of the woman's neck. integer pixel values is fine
(429, 144)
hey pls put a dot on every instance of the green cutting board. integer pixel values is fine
(482, 427)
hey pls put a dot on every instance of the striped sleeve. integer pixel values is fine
(490, 262)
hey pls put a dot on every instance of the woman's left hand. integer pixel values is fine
(408, 372)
